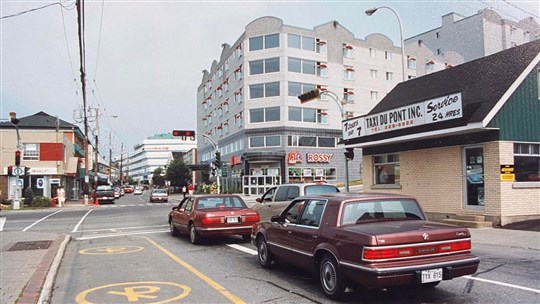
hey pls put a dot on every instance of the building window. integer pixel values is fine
(430, 67)
(238, 52)
(262, 90)
(348, 95)
(301, 42)
(389, 76)
(411, 63)
(322, 69)
(388, 55)
(297, 88)
(372, 52)
(321, 46)
(347, 51)
(299, 174)
(322, 116)
(527, 162)
(263, 42)
(265, 141)
(386, 169)
(238, 97)
(30, 152)
(374, 95)
(264, 66)
(302, 114)
(527, 36)
(348, 73)
(301, 66)
(437, 35)
(327, 142)
(264, 115)
(373, 74)
(238, 73)
(302, 141)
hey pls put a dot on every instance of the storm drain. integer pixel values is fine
(30, 245)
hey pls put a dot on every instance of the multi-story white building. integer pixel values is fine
(247, 102)
(478, 35)
(152, 153)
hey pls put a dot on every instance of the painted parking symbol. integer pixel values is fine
(111, 250)
(135, 292)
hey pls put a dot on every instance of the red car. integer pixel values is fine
(212, 215)
(369, 240)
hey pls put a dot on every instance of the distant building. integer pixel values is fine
(247, 102)
(52, 154)
(478, 35)
(152, 153)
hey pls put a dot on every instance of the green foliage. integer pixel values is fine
(28, 196)
(178, 173)
(157, 179)
(41, 201)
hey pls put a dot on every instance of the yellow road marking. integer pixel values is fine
(233, 298)
(111, 250)
(138, 290)
(134, 293)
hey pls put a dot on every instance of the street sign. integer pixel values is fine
(223, 173)
(18, 171)
(40, 183)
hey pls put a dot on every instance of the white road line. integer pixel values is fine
(243, 249)
(80, 222)
(35, 223)
(502, 284)
(118, 234)
(124, 228)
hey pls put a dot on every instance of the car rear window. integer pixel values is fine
(159, 191)
(220, 202)
(380, 210)
(103, 188)
(320, 189)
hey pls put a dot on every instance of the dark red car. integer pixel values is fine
(212, 215)
(371, 240)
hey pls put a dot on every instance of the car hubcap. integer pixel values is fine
(328, 274)
(192, 233)
(262, 252)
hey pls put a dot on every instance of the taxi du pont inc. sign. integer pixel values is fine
(425, 112)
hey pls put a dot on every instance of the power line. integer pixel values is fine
(99, 38)
(519, 8)
(67, 46)
(30, 10)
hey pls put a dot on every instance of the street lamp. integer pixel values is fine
(371, 11)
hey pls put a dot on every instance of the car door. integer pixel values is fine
(180, 215)
(305, 235)
(279, 234)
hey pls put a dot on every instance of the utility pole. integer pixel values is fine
(110, 158)
(121, 164)
(96, 165)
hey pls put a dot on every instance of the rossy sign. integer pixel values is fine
(426, 112)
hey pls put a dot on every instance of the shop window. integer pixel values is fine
(527, 162)
(386, 169)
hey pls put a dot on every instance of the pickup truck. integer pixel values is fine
(104, 194)
(275, 199)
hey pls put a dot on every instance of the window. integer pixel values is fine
(372, 52)
(347, 51)
(263, 42)
(411, 63)
(264, 114)
(437, 35)
(321, 46)
(302, 114)
(373, 74)
(311, 141)
(264, 66)
(322, 116)
(527, 162)
(348, 73)
(308, 43)
(430, 66)
(386, 169)
(295, 65)
(389, 76)
(238, 97)
(262, 90)
(256, 67)
(265, 141)
(328, 142)
(388, 55)
(374, 95)
(322, 69)
(439, 52)
(301, 42)
(348, 95)
(294, 41)
(312, 213)
(297, 88)
(238, 51)
(30, 152)
(302, 66)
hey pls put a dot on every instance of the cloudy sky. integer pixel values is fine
(144, 59)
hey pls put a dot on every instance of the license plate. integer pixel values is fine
(232, 219)
(432, 275)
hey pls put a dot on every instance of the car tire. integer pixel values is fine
(174, 231)
(263, 253)
(332, 281)
(194, 237)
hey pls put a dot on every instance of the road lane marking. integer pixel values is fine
(80, 222)
(42, 219)
(123, 228)
(502, 284)
(233, 298)
(101, 236)
(243, 249)
(135, 292)
(111, 250)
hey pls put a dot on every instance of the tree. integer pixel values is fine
(178, 173)
(158, 180)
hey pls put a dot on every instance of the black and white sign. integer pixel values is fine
(40, 183)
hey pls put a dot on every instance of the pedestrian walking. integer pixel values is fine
(61, 195)
(190, 189)
(184, 190)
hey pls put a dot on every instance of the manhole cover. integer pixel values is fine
(31, 245)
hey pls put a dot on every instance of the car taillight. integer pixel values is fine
(212, 220)
(251, 218)
(388, 252)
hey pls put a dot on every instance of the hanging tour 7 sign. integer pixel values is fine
(426, 112)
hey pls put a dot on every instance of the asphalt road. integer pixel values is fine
(123, 253)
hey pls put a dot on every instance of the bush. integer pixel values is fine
(28, 196)
(41, 201)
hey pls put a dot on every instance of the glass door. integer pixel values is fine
(474, 176)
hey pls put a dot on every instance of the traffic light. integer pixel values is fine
(217, 162)
(17, 158)
(10, 170)
(310, 95)
(184, 134)
(349, 153)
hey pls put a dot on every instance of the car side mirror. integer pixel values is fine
(258, 200)
(275, 219)
(174, 208)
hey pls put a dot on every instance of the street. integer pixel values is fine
(124, 253)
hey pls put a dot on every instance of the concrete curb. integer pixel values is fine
(46, 292)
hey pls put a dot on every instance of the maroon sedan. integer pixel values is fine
(212, 215)
(370, 240)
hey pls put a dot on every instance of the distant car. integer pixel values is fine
(368, 240)
(212, 216)
(128, 189)
(160, 195)
(104, 193)
(138, 191)
(275, 199)
(116, 192)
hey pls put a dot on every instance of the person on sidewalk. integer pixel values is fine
(184, 190)
(61, 195)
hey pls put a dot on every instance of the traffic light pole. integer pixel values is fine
(17, 199)
(216, 150)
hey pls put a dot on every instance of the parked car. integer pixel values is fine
(275, 199)
(138, 191)
(104, 193)
(159, 195)
(212, 216)
(369, 240)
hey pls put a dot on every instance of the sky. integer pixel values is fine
(144, 59)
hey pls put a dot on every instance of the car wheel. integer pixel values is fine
(263, 253)
(332, 281)
(174, 231)
(194, 235)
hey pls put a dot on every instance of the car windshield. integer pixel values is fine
(320, 189)
(220, 202)
(380, 210)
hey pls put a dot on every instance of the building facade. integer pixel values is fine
(247, 102)
(467, 147)
(152, 153)
(478, 35)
